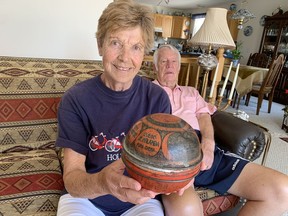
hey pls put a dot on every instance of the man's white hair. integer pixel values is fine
(156, 53)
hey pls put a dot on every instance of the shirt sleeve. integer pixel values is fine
(71, 129)
(202, 105)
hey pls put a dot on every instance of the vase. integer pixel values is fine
(235, 62)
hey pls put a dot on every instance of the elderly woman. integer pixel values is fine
(95, 115)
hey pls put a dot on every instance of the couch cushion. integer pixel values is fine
(214, 203)
(245, 139)
(28, 137)
(30, 183)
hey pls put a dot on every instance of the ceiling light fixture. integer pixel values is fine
(166, 1)
(243, 16)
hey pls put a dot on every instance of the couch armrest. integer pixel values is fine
(235, 135)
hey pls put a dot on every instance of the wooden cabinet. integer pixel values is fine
(167, 22)
(173, 26)
(158, 20)
(233, 25)
(181, 27)
(274, 42)
(163, 23)
(177, 26)
(280, 95)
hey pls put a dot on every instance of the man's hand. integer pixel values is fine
(207, 142)
(208, 156)
(181, 191)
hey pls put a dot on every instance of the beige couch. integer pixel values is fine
(30, 172)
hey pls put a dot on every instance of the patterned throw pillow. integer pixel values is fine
(30, 183)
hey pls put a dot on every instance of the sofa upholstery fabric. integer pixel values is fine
(30, 182)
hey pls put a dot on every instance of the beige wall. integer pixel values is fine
(54, 28)
(66, 28)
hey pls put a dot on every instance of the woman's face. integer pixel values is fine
(123, 53)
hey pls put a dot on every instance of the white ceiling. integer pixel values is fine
(185, 4)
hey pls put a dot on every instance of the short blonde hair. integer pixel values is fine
(125, 14)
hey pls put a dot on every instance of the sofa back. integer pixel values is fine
(30, 91)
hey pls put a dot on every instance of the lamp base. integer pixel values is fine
(207, 61)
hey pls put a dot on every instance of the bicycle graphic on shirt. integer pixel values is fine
(99, 142)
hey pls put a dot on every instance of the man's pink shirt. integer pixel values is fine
(187, 103)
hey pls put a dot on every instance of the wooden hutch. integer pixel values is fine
(274, 42)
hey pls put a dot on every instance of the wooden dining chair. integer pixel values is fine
(256, 60)
(267, 86)
(259, 60)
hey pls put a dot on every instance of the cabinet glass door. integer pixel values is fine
(283, 44)
(270, 43)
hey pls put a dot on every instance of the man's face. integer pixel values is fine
(122, 52)
(168, 67)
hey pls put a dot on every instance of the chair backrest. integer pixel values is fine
(259, 60)
(271, 79)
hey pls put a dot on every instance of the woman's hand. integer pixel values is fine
(123, 187)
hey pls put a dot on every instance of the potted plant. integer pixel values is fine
(236, 54)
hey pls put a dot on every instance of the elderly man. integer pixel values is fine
(265, 189)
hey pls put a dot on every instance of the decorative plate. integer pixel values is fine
(233, 7)
(248, 30)
(262, 20)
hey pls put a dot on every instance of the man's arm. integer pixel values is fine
(207, 142)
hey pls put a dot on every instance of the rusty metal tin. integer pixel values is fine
(162, 152)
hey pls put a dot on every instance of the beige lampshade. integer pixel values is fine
(214, 31)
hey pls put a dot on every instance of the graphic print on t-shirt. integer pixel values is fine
(100, 141)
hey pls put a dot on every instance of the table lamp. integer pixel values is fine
(214, 33)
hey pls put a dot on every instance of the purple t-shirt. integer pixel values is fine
(93, 120)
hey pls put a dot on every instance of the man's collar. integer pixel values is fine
(176, 87)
